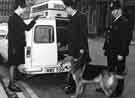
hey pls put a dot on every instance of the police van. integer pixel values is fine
(3, 42)
(46, 46)
(49, 8)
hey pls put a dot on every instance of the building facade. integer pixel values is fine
(97, 10)
(130, 4)
(6, 7)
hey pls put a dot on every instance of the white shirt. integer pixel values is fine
(117, 17)
(74, 12)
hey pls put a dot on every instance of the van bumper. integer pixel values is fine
(45, 69)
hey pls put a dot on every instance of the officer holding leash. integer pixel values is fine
(116, 44)
(77, 39)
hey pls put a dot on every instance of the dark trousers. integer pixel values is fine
(117, 66)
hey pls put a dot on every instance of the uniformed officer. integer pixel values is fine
(116, 44)
(16, 41)
(77, 39)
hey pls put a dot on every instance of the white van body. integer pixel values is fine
(4, 41)
(50, 8)
(41, 51)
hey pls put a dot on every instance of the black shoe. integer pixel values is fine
(100, 90)
(14, 88)
(69, 90)
(120, 88)
(115, 95)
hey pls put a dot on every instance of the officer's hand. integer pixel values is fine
(36, 17)
(119, 57)
(81, 51)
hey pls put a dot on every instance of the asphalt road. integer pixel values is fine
(51, 86)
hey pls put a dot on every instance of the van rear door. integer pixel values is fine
(44, 47)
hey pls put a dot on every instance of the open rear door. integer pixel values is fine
(44, 47)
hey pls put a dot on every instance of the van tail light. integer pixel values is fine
(28, 52)
(46, 13)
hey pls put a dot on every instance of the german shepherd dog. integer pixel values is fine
(96, 75)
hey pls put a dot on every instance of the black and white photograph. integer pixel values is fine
(67, 48)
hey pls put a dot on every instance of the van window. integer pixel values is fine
(44, 34)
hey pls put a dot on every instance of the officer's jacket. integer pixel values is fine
(118, 37)
(77, 34)
(16, 30)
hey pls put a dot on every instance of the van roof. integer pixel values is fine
(49, 1)
(42, 21)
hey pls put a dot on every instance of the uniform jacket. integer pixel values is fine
(77, 34)
(16, 39)
(118, 37)
(16, 30)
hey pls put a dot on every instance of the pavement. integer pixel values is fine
(98, 58)
(46, 87)
(6, 93)
(96, 51)
(3, 93)
(51, 87)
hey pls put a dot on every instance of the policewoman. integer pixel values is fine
(16, 41)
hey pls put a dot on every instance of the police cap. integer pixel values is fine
(115, 4)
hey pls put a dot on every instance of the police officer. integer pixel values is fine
(16, 41)
(116, 44)
(77, 39)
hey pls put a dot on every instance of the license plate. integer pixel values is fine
(60, 69)
(50, 70)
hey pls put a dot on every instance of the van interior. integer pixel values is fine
(62, 38)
